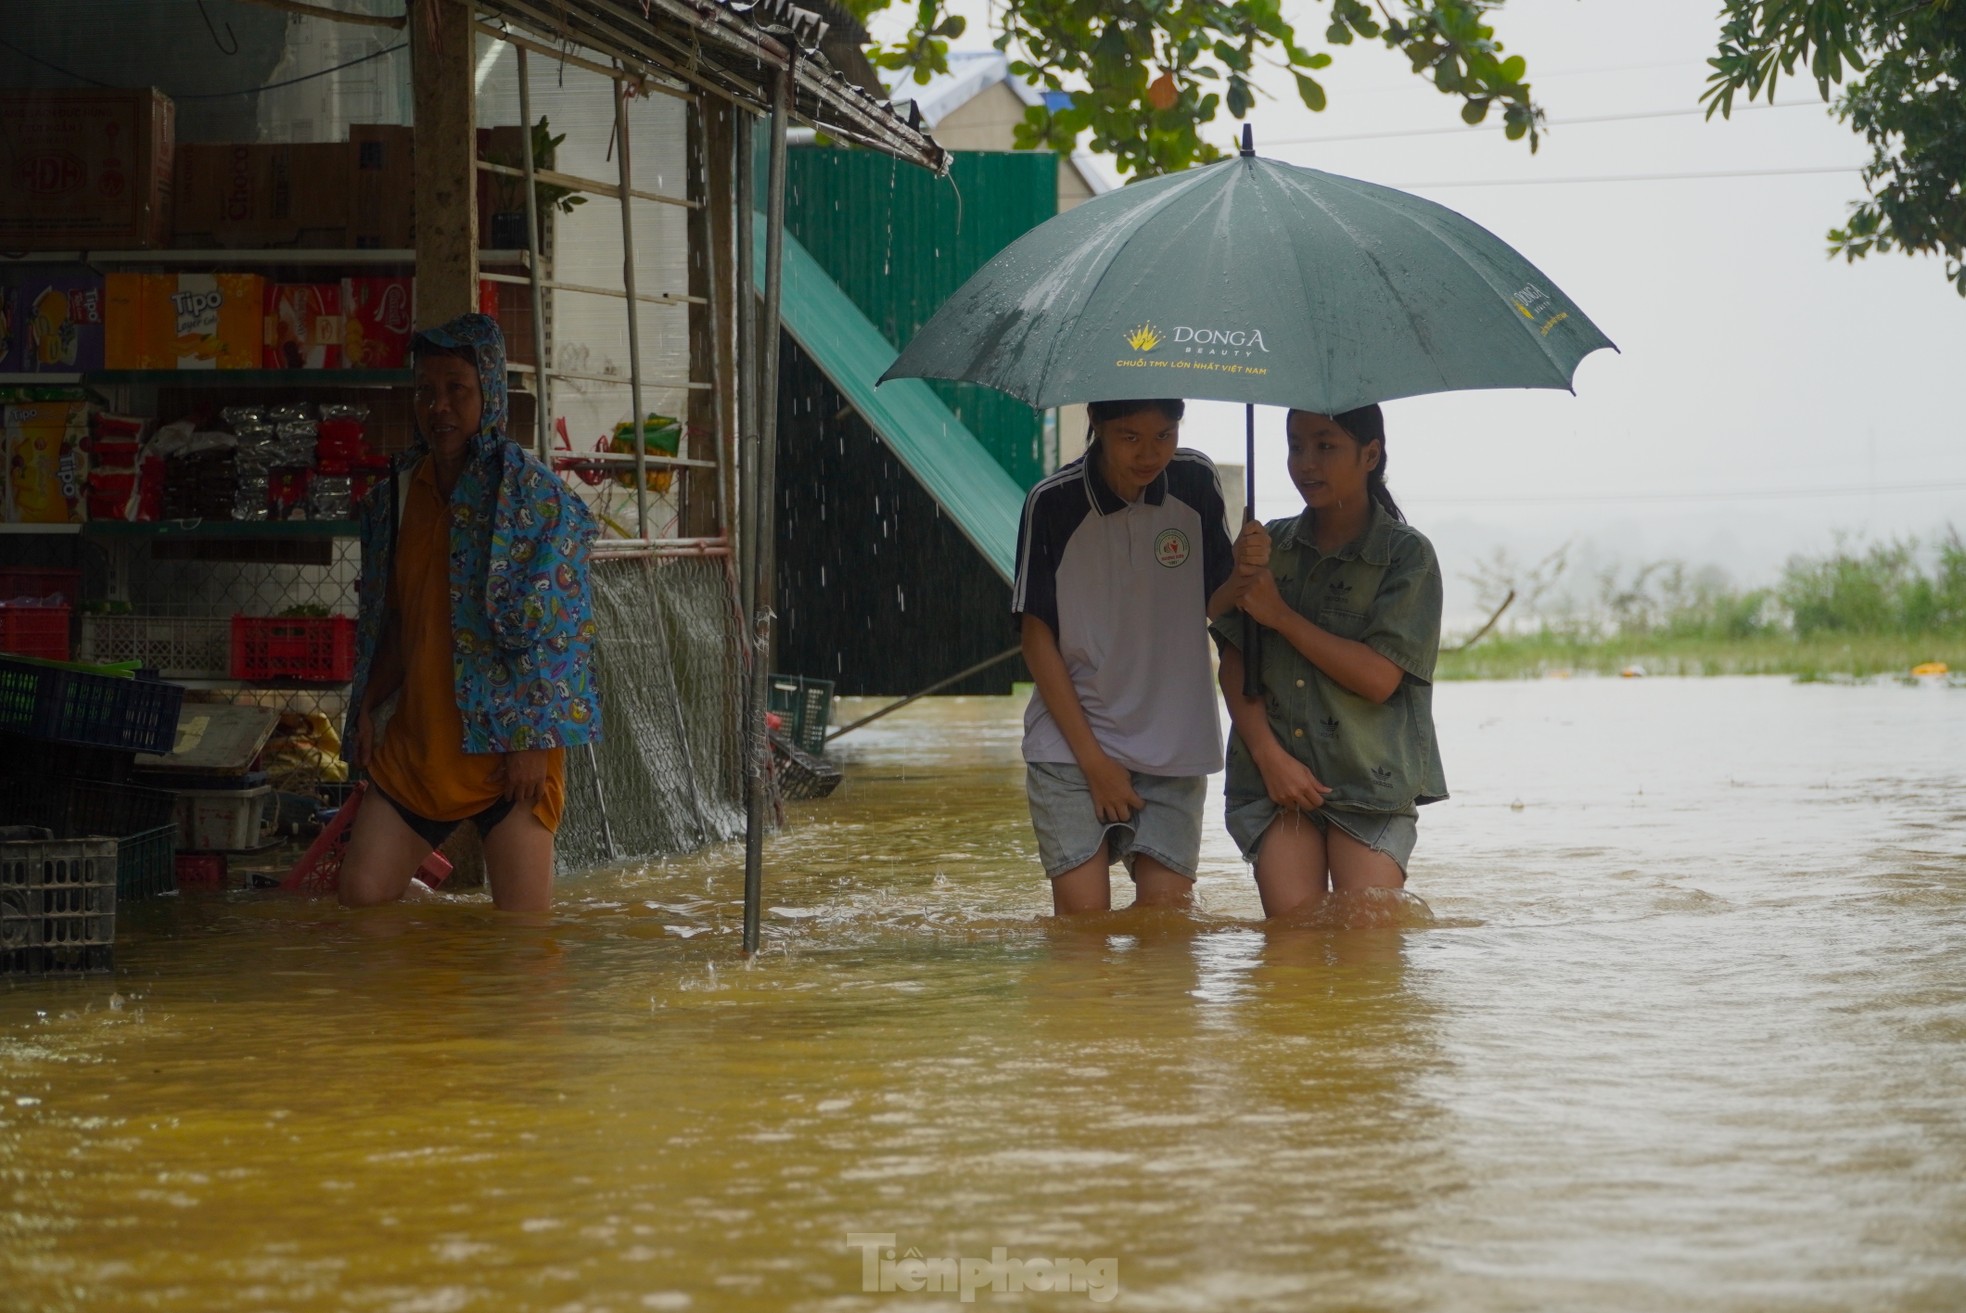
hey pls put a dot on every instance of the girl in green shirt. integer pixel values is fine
(1329, 762)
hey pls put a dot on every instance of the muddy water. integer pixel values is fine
(1685, 1027)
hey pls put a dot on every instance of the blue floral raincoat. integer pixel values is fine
(520, 610)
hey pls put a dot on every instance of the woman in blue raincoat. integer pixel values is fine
(475, 664)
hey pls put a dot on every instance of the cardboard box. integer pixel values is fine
(185, 321)
(45, 463)
(382, 187)
(87, 169)
(511, 305)
(54, 324)
(377, 318)
(303, 326)
(243, 195)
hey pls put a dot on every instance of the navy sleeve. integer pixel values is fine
(1201, 488)
(1035, 591)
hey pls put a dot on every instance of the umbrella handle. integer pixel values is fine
(1252, 657)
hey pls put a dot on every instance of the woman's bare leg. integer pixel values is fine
(1355, 867)
(383, 854)
(1158, 885)
(1290, 864)
(519, 863)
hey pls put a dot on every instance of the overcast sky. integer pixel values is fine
(1753, 370)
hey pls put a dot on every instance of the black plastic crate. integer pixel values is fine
(142, 821)
(73, 706)
(57, 906)
(805, 705)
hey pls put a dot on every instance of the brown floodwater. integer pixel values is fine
(1680, 1024)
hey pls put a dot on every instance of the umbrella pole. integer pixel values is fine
(1252, 633)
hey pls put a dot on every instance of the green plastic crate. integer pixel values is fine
(805, 705)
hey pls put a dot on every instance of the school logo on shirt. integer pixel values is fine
(1171, 548)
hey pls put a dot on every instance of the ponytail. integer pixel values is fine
(1368, 424)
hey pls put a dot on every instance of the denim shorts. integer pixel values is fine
(1390, 833)
(1070, 833)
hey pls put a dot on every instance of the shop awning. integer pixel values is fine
(947, 460)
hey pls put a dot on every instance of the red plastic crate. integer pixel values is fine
(34, 631)
(29, 581)
(201, 870)
(311, 649)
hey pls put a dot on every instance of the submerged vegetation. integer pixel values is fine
(1857, 611)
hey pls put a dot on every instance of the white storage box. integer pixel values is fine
(226, 820)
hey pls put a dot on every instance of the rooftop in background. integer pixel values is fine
(977, 104)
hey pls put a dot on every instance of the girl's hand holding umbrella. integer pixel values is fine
(1262, 602)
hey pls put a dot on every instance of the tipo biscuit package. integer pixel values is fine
(45, 462)
(184, 321)
(54, 325)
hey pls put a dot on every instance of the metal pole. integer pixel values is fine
(747, 363)
(541, 388)
(634, 307)
(763, 530)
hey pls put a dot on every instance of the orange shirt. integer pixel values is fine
(421, 761)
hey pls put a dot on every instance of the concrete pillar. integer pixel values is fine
(441, 48)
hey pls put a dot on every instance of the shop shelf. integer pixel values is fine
(176, 646)
(255, 378)
(57, 905)
(54, 702)
(216, 528)
(312, 649)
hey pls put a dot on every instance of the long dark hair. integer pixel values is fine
(1368, 424)
(1098, 412)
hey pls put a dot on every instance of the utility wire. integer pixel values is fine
(1628, 177)
(204, 95)
(1470, 129)
(1763, 494)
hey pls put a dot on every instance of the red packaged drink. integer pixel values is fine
(303, 326)
(375, 322)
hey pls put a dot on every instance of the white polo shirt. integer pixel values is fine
(1125, 588)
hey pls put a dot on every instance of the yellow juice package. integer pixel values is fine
(213, 321)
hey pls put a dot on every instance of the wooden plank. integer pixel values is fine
(441, 48)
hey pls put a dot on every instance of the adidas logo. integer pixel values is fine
(1329, 727)
(1339, 588)
(1381, 774)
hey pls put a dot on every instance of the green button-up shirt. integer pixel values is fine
(1382, 589)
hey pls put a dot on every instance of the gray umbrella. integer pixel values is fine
(1254, 281)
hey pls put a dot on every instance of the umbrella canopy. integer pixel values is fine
(1260, 282)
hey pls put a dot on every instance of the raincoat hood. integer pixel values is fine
(480, 335)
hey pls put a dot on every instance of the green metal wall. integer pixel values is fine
(899, 242)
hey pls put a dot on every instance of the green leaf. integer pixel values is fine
(1312, 94)
(952, 27)
(1474, 111)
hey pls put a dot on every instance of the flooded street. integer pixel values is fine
(1686, 1028)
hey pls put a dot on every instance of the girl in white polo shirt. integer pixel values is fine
(1123, 556)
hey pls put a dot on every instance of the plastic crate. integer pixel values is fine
(310, 649)
(73, 706)
(19, 581)
(200, 870)
(805, 705)
(35, 631)
(175, 646)
(57, 905)
(143, 822)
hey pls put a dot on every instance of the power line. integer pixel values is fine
(1762, 494)
(1467, 129)
(1627, 177)
(205, 95)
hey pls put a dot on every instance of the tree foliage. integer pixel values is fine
(1907, 99)
(1148, 76)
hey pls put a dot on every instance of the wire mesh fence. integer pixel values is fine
(668, 774)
